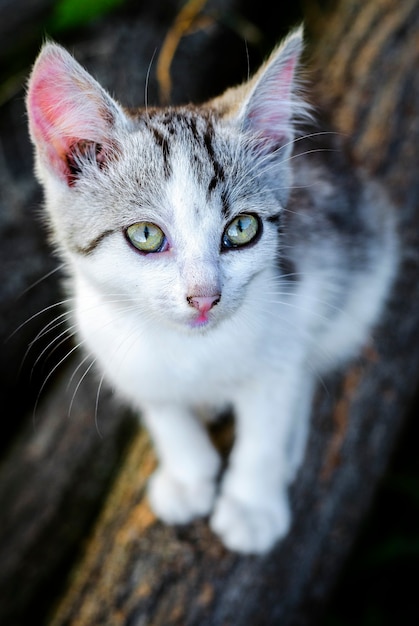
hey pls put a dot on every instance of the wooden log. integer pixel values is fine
(54, 476)
(51, 483)
(138, 571)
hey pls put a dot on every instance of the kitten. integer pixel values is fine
(173, 227)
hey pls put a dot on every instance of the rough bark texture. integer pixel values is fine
(134, 570)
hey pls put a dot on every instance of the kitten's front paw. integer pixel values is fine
(176, 502)
(250, 528)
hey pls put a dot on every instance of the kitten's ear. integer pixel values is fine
(267, 103)
(70, 115)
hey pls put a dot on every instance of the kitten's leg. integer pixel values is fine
(183, 486)
(252, 511)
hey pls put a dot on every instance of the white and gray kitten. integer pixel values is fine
(173, 228)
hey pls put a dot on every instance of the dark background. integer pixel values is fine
(379, 583)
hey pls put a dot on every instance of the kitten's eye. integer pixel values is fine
(147, 237)
(242, 231)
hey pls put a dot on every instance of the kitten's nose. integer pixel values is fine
(203, 303)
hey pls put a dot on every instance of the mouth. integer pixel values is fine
(200, 321)
(204, 321)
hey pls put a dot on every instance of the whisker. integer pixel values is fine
(272, 165)
(147, 80)
(52, 325)
(311, 299)
(306, 152)
(79, 382)
(35, 315)
(66, 334)
(48, 377)
(40, 280)
(307, 136)
(259, 164)
(97, 406)
(82, 362)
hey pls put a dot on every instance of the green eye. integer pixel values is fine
(241, 231)
(146, 237)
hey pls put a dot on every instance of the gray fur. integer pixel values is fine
(198, 322)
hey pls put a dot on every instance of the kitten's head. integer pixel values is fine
(175, 210)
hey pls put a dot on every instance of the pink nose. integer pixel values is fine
(203, 303)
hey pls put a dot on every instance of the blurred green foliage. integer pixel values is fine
(68, 14)
(57, 20)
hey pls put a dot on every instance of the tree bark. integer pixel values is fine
(134, 570)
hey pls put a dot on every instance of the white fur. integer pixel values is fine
(264, 342)
(261, 354)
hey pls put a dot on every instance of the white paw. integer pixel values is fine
(176, 502)
(249, 527)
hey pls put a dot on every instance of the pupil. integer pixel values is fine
(239, 226)
(146, 232)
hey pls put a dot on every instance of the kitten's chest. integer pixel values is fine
(149, 363)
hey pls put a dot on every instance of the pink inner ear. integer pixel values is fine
(47, 108)
(270, 110)
(65, 106)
